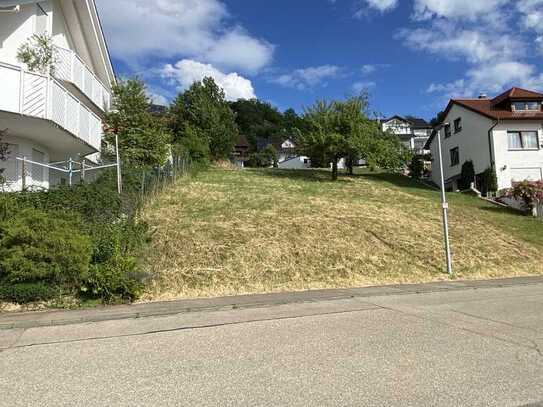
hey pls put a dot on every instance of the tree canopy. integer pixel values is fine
(143, 139)
(202, 114)
(341, 129)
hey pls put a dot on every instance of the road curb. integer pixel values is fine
(62, 317)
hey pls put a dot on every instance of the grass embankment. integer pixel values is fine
(229, 232)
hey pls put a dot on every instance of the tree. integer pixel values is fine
(292, 121)
(257, 120)
(467, 175)
(193, 144)
(416, 168)
(342, 129)
(263, 159)
(38, 54)
(204, 108)
(143, 139)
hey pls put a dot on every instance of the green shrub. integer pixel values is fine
(489, 181)
(467, 175)
(40, 247)
(416, 167)
(117, 280)
(264, 158)
(26, 292)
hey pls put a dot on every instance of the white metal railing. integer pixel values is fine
(70, 67)
(41, 96)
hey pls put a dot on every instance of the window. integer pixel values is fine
(526, 106)
(447, 130)
(458, 125)
(523, 140)
(455, 156)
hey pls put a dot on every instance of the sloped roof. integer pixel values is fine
(487, 108)
(415, 122)
(517, 93)
(242, 141)
(494, 109)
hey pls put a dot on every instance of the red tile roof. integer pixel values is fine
(491, 107)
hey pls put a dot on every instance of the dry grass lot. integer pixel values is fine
(226, 232)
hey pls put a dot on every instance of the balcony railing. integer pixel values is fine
(43, 97)
(70, 67)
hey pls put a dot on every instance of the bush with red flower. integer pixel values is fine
(529, 192)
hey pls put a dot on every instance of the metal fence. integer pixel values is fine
(148, 183)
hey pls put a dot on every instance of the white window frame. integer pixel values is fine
(522, 132)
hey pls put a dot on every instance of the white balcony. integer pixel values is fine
(71, 68)
(71, 127)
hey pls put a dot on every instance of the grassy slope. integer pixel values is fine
(226, 232)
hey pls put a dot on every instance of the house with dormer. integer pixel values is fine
(503, 133)
(53, 116)
(414, 132)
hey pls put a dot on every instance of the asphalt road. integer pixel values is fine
(461, 348)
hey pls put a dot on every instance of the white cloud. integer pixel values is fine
(491, 79)
(197, 29)
(450, 42)
(471, 9)
(532, 14)
(185, 72)
(368, 69)
(157, 98)
(359, 87)
(308, 77)
(382, 5)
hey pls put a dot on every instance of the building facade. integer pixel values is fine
(504, 134)
(56, 115)
(413, 131)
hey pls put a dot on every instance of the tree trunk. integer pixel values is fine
(334, 169)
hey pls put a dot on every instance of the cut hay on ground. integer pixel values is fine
(230, 232)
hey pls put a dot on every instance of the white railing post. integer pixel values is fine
(21, 90)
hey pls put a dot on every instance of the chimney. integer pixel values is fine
(483, 95)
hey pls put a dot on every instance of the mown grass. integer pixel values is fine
(225, 232)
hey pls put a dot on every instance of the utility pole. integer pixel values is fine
(444, 203)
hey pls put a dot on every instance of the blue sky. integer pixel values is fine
(411, 55)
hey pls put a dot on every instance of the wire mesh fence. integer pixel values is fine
(146, 183)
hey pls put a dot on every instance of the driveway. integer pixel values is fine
(438, 347)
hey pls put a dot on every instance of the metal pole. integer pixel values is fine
(119, 178)
(23, 179)
(70, 171)
(83, 170)
(445, 206)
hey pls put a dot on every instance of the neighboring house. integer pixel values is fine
(240, 154)
(504, 133)
(288, 158)
(413, 131)
(52, 118)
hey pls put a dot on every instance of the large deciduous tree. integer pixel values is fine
(143, 139)
(342, 129)
(203, 114)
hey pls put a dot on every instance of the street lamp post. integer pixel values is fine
(444, 203)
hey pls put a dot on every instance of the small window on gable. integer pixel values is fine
(447, 130)
(526, 106)
(455, 156)
(458, 125)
